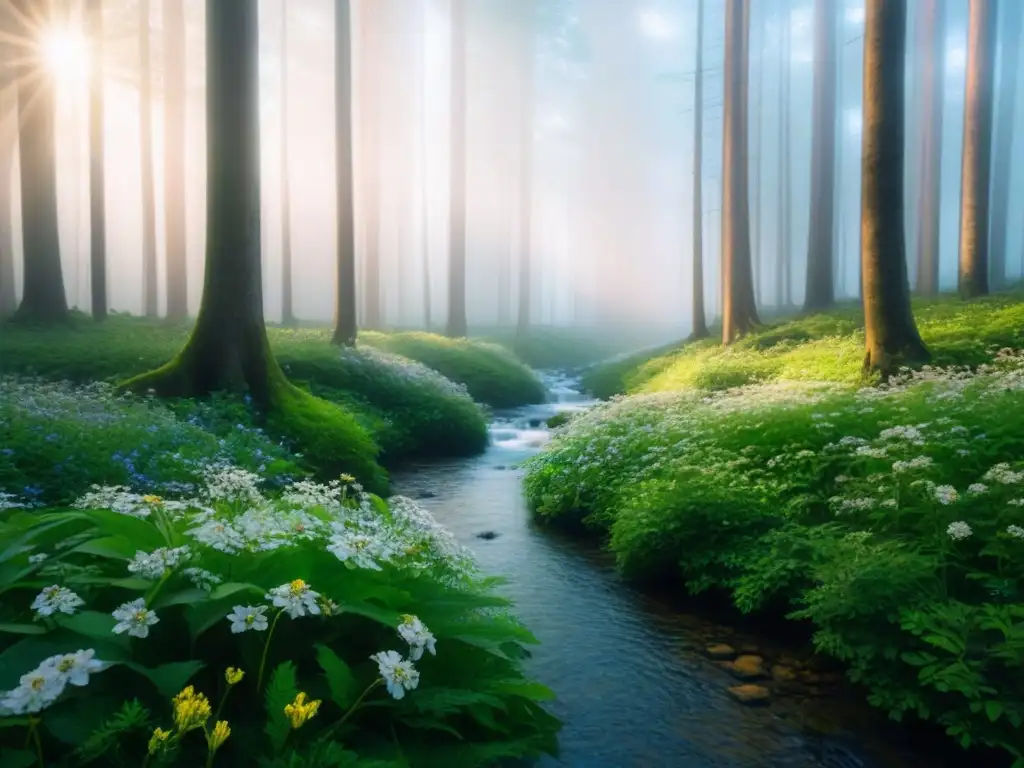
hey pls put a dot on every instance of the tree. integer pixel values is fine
(819, 289)
(287, 313)
(891, 335)
(149, 282)
(977, 150)
(424, 179)
(8, 146)
(43, 299)
(783, 257)
(97, 168)
(739, 313)
(175, 237)
(699, 321)
(1003, 163)
(526, 74)
(345, 321)
(933, 69)
(457, 204)
(370, 156)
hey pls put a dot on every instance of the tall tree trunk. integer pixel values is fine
(1003, 162)
(526, 74)
(370, 111)
(977, 150)
(8, 146)
(287, 312)
(149, 281)
(175, 225)
(424, 178)
(43, 299)
(699, 320)
(783, 257)
(739, 313)
(933, 88)
(345, 315)
(456, 326)
(757, 248)
(891, 335)
(819, 288)
(97, 168)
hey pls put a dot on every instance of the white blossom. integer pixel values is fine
(246, 617)
(417, 636)
(959, 530)
(56, 599)
(134, 618)
(399, 675)
(296, 598)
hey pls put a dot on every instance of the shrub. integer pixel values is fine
(889, 518)
(353, 629)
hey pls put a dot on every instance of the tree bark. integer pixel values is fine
(149, 271)
(287, 312)
(757, 249)
(456, 326)
(1003, 161)
(819, 288)
(934, 34)
(8, 146)
(175, 225)
(783, 257)
(345, 325)
(891, 335)
(977, 150)
(370, 156)
(528, 21)
(424, 178)
(739, 313)
(698, 322)
(43, 299)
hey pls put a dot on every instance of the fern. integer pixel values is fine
(281, 691)
(105, 741)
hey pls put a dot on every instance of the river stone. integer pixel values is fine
(748, 667)
(750, 694)
(783, 674)
(488, 535)
(426, 495)
(720, 651)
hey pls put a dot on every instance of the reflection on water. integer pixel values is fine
(633, 687)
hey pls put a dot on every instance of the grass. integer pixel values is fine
(820, 347)
(887, 519)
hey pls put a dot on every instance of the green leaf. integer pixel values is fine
(14, 722)
(17, 758)
(232, 587)
(92, 624)
(23, 629)
(136, 584)
(526, 689)
(281, 691)
(993, 709)
(431, 724)
(343, 685)
(170, 678)
(188, 596)
(111, 547)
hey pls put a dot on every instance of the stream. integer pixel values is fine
(634, 685)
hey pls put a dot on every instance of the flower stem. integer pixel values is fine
(353, 708)
(266, 647)
(33, 733)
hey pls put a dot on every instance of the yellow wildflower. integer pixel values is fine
(347, 478)
(158, 740)
(233, 676)
(191, 710)
(301, 710)
(151, 499)
(218, 735)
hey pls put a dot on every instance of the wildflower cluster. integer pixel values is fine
(41, 687)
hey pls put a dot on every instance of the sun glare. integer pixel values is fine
(656, 26)
(66, 55)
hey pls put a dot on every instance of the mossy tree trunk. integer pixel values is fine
(699, 320)
(8, 146)
(228, 348)
(1009, 63)
(933, 70)
(528, 21)
(891, 335)
(175, 232)
(43, 299)
(345, 312)
(976, 162)
(149, 271)
(97, 168)
(456, 325)
(819, 289)
(287, 310)
(739, 313)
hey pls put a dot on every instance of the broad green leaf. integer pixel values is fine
(431, 724)
(343, 685)
(110, 547)
(90, 624)
(23, 629)
(17, 758)
(526, 689)
(170, 678)
(188, 596)
(993, 709)
(136, 584)
(232, 587)
(281, 691)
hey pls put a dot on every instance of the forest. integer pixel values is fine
(511, 382)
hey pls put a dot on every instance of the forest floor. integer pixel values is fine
(889, 519)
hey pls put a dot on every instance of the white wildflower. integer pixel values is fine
(417, 636)
(1016, 531)
(36, 691)
(296, 598)
(155, 564)
(218, 535)
(76, 667)
(958, 530)
(399, 675)
(976, 488)
(56, 599)
(134, 618)
(246, 617)
(202, 578)
(946, 494)
(37, 558)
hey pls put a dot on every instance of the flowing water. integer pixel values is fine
(634, 687)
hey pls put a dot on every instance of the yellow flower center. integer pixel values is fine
(66, 664)
(297, 587)
(38, 683)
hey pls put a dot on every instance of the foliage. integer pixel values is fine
(891, 518)
(493, 375)
(357, 632)
(822, 347)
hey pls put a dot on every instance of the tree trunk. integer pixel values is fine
(933, 88)
(891, 335)
(345, 323)
(370, 155)
(783, 277)
(97, 168)
(149, 282)
(287, 312)
(43, 299)
(175, 226)
(699, 320)
(739, 314)
(757, 249)
(8, 146)
(977, 150)
(819, 289)
(457, 204)
(424, 178)
(1003, 162)
(526, 73)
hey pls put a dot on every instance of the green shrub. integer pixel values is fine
(890, 518)
(493, 375)
(353, 631)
